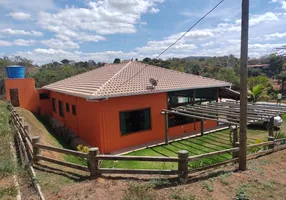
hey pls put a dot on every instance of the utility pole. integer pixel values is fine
(243, 84)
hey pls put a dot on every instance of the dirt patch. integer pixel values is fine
(264, 179)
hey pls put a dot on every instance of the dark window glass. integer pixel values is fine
(177, 120)
(134, 121)
(54, 105)
(73, 110)
(44, 96)
(67, 107)
(61, 109)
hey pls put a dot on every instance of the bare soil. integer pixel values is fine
(264, 179)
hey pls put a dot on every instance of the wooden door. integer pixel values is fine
(14, 97)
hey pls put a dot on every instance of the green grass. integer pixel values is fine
(8, 192)
(7, 165)
(195, 146)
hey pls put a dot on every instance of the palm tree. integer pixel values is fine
(256, 93)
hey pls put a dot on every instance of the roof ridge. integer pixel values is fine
(111, 78)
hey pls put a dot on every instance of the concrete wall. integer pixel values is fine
(27, 93)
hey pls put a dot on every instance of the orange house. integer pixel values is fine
(119, 106)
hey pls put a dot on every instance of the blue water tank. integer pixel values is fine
(15, 71)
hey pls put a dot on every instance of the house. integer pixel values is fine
(119, 106)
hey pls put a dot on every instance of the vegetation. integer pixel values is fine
(7, 165)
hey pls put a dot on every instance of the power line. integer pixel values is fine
(189, 29)
(174, 42)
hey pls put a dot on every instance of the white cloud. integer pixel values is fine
(4, 43)
(20, 15)
(59, 44)
(262, 18)
(154, 10)
(9, 31)
(31, 5)
(41, 56)
(101, 17)
(79, 36)
(18, 42)
(208, 44)
(275, 36)
(282, 2)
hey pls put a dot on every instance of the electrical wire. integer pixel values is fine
(174, 42)
(190, 29)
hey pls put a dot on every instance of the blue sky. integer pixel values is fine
(101, 30)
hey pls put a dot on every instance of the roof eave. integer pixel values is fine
(153, 92)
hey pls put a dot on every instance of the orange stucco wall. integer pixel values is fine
(113, 140)
(98, 123)
(27, 93)
(87, 121)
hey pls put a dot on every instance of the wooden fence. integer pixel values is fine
(34, 147)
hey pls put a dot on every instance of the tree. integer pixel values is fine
(256, 93)
(194, 67)
(275, 63)
(65, 61)
(228, 75)
(116, 60)
(282, 78)
(258, 80)
(254, 72)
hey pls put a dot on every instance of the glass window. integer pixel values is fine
(134, 121)
(61, 109)
(67, 107)
(54, 105)
(73, 110)
(44, 96)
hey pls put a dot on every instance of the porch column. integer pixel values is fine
(166, 128)
(202, 127)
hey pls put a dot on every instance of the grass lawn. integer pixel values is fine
(195, 146)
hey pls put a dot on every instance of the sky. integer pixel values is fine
(101, 30)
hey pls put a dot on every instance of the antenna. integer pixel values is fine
(153, 82)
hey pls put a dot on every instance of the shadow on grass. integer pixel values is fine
(174, 181)
(192, 142)
(53, 170)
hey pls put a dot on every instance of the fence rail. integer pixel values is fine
(33, 148)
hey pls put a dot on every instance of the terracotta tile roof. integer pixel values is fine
(126, 79)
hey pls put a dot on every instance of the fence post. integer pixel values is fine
(21, 121)
(26, 129)
(271, 139)
(235, 140)
(271, 127)
(236, 154)
(93, 162)
(183, 165)
(36, 150)
(202, 127)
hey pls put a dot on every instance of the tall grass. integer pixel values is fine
(7, 166)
